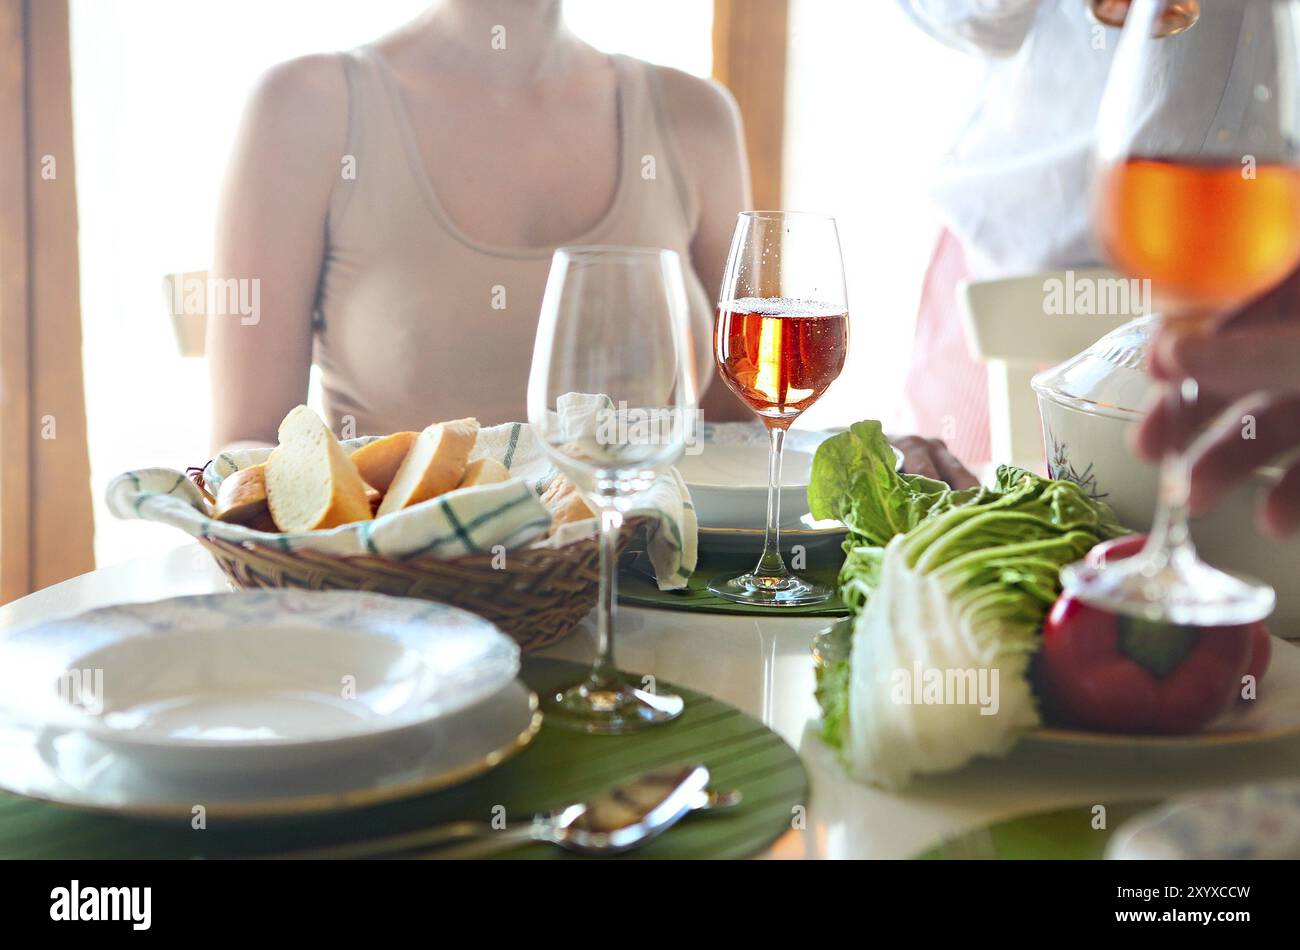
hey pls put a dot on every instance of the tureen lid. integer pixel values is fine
(1108, 377)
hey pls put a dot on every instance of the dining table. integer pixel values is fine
(762, 664)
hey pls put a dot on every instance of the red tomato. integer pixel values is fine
(1104, 671)
(1115, 549)
(1120, 674)
(1119, 548)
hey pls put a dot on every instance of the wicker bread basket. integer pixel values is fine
(537, 597)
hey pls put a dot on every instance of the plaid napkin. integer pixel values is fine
(506, 515)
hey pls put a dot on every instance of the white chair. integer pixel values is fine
(186, 298)
(188, 309)
(1020, 325)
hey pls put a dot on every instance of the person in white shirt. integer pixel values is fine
(1014, 195)
(1013, 189)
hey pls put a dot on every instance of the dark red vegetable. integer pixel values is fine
(1104, 671)
(1116, 549)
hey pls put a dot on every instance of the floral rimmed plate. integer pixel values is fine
(251, 683)
(71, 769)
(1258, 822)
(727, 477)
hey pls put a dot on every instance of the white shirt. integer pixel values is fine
(1015, 187)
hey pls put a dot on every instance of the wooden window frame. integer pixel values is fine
(749, 58)
(46, 518)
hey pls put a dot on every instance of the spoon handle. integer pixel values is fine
(425, 840)
(483, 844)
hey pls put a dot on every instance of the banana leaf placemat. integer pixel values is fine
(636, 585)
(556, 769)
(1065, 833)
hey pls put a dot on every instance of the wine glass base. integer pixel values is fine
(1192, 594)
(789, 591)
(610, 710)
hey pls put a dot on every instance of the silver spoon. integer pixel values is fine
(615, 821)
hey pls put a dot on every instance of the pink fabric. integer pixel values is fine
(946, 395)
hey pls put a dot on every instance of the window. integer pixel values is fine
(158, 87)
(872, 103)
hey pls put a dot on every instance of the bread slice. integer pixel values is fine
(435, 464)
(484, 471)
(241, 499)
(565, 503)
(311, 483)
(378, 461)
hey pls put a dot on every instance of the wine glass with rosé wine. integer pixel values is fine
(1210, 214)
(780, 339)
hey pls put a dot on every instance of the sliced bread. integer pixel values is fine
(565, 503)
(484, 471)
(241, 499)
(311, 482)
(435, 464)
(378, 461)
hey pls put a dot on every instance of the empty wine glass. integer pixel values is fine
(612, 398)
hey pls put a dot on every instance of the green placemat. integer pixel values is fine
(558, 768)
(1065, 833)
(636, 585)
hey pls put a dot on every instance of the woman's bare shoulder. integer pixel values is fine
(706, 127)
(698, 105)
(302, 103)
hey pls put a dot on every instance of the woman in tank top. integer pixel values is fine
(399, 205)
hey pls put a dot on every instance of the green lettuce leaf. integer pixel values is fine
(854, 481)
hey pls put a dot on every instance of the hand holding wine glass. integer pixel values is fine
(780, 340)
(1212, 218)
(1248, 371)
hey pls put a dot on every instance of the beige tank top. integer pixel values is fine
(409, 327)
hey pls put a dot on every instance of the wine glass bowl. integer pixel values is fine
(780, 339)
(1210, 215)
(612, 400)
(780, 354)
(1237, 228)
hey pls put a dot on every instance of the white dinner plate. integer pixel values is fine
(727, 475)
(727, 478)
(813, 535)
(72, 769)
(251, 682)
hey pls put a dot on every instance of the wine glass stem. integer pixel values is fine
(604, 674)
(1171, 536)
(771, 563)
